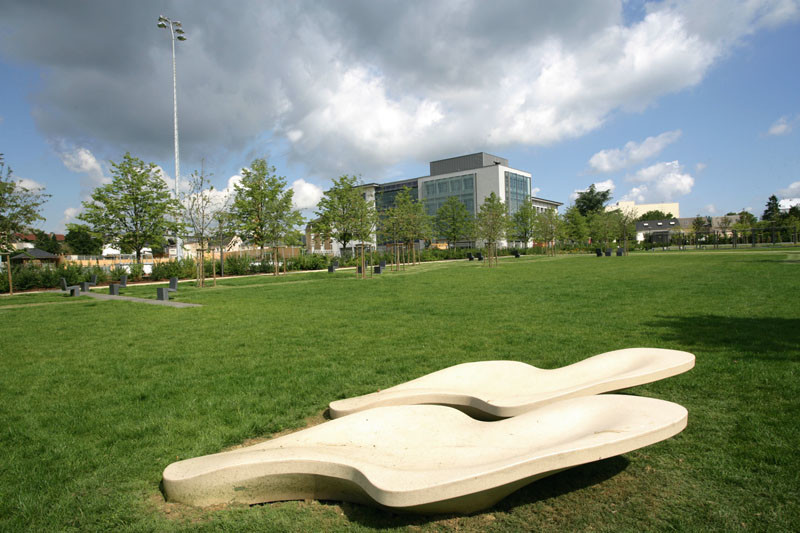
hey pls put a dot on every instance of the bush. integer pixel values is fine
(176, 268)
(237, 265)
(137, 272)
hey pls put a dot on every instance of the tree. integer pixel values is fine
(453, 221)
(491, 224)
(746, 219)
(47, 242)
(724, 224)
(263, 208)
(773, 211)
(548, 227)
(604, 226)
(576, 227)
(655, 214)
(413, 221)
(19, 208)
(81, 242)
(134, 210)
(201, 207)
(523, 222)
(365, 223)
(592, 200)
(337, 210)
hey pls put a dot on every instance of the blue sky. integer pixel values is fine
(696, 102)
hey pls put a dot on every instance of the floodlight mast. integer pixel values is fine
(175, 28)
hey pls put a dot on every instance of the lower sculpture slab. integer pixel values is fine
(491, 390)
(424, 458)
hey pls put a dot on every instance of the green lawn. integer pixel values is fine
(97, 397)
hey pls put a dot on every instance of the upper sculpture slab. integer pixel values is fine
(490, 390)
(425, 458)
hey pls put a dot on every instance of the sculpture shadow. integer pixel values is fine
(769, 339)
(553, 486)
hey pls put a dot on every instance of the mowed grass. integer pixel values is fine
(98, 397)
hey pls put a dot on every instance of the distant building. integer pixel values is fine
(638, 210)
(471, 178)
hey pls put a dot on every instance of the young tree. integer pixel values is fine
(365, 223)
(627, 227)
(19, 208)
(337, 210)
(548, 227)
(491, 224)
(200, 209)
(592, 200)
(523, 223)
(413, 221)
(134, 210)
(603, 227)
(576, 228)
(81, 242)
(453, 222)
(263, 208)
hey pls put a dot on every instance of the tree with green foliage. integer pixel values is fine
(655, 214)
(135, 210)
(201, 206)
(592, 200)
(47, 242)
(772, 212)
(365, 224)
(453, 221)
(576, 227)
(414, 222)
(746, 219)
(262, 208)
(337, 209)
(19, 208)
(604, 227)
(80, 241)
(548, 227)
(491, 225)
(523, 223)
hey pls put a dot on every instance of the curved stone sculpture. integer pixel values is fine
(425, 458)
(489, 390)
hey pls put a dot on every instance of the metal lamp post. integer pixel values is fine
(176, 33)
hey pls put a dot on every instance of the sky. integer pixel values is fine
(689, 101)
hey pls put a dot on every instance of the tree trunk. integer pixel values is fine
(214, 266)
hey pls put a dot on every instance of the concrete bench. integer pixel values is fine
(162, 293)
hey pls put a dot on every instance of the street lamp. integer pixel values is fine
(176, 33)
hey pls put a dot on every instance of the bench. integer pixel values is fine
(73, 290)
(469, 256)
(113, 289)
(331, 268)
(479, 256)
(123, 281)
(516, 254)
(162, 293)
(173, 284)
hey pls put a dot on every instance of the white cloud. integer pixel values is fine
(699, 167)
(29, 184)
(661, 182)
(782, 126)
(535, 191)
(788, 203)
(711, 209)
(791, 191)
(632, 153)
(70, 215)
(306, 195)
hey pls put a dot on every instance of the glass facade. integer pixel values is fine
(436, 192)
(518, 190)
(384, 199)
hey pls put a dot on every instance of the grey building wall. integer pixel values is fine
(465, 162)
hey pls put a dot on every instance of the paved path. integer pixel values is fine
(168, 303)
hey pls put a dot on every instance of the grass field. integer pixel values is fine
(97, 397)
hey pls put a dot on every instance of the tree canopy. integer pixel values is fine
(523, 223)
(453, 221)
(576, 227)
(135, 210)
(592, 200)
(81, 242)
(338, 208)
(772, 212)
(19, 207)
(262, 207)
(655, 214)
(547, 228)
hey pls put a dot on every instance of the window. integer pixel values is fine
(436, 192)
(518, 190)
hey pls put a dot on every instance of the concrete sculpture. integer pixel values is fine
(425, 458)
(490, 390)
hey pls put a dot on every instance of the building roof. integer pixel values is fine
(544, 200)
(34, 253)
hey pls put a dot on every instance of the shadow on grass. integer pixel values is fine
(766, 338)
(544, 489)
